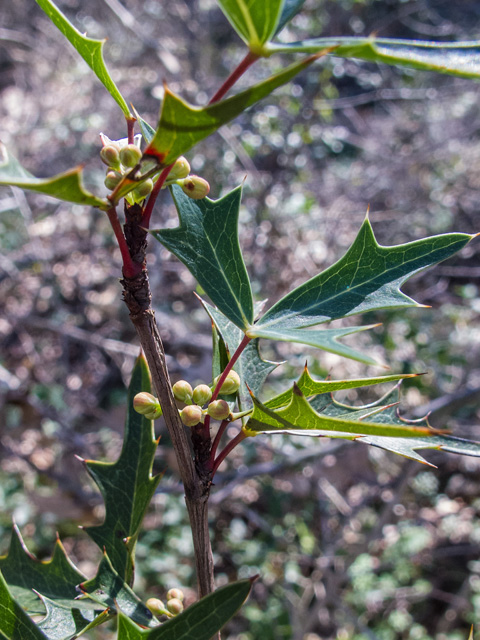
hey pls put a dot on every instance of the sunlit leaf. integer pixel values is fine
(90, 49)
(127, 485)
(63, 622)
(66, 186)
(255, 21)
(455, 58)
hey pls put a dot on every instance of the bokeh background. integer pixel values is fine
(350, 542)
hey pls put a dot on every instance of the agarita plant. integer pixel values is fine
(41, 600)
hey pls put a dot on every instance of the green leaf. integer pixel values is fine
(367, 278)
(255, 21)
(65, 623)
(289, 11)
(90, 49)
(14, 622)
(109, 590)
(66, 186)
(455, 58)
(207, 243)
(200, 621)
(127, 485)
(251, 367)
(182, 125)
(56, 579)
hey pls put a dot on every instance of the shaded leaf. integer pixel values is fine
(109, 590)
(14, 622)
(455, 58)
(368, 277)
(56, 579)
(127, 485)
(66, 623)
(255, 21)
(200, 621)
(251, 367)
(66, 186)
(207, 243)
(182, 125)
(90, 49)
(289, 11)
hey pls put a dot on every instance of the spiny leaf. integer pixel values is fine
(14, 622)
(200, 621)
(66, 186)
(182, 125)
(66, 623)
(109, 590)
(57, 578)
(90, 49)
(367, 278)
(207, 243)
(127, 485)
(455, 58)
(255, 21)
(251, 367)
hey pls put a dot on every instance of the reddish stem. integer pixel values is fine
(229, 366)
(130, 128)
(216, 442)
(228, 449)
(147, 212)
(237, 73)
(130, 270)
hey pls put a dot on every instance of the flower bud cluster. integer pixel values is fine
(147, 405)
(195, 399)
(120, 156)
(194, 186)
(174, 605)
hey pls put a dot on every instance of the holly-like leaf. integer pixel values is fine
(251, 367)
(207, 243)
(367, 278)
(66, 186)
(201, 621)
(127, 485)
(182, 125)
(255, 21)
(14, 622)
(57, 578)
(109, 590)
(66, 623)
(90, 49)
(456, 58)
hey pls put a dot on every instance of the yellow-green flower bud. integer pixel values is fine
(130, 155)
(202, 394)
(110, 156)
(157, 607)
(180, 169)
(147, 405)
(143, 189)
(175, 593)
(112, 179)
(231, 384)
(218, 410)
(195, 187)
(175, 606)
(191, 415)
(182, 391)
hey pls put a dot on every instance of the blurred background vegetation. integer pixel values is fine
(350, 542)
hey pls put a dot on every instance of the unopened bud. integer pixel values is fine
(110, 156)
(175, 593)
(112, 179)
(195, 187)
(180, 169)
(231, 384)
(182, 391)
(143, 189)
(130, 155)
(156, 606)
(175, 606)
(202, 394)
(147, 405)
(191, 415)
(218, 410)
